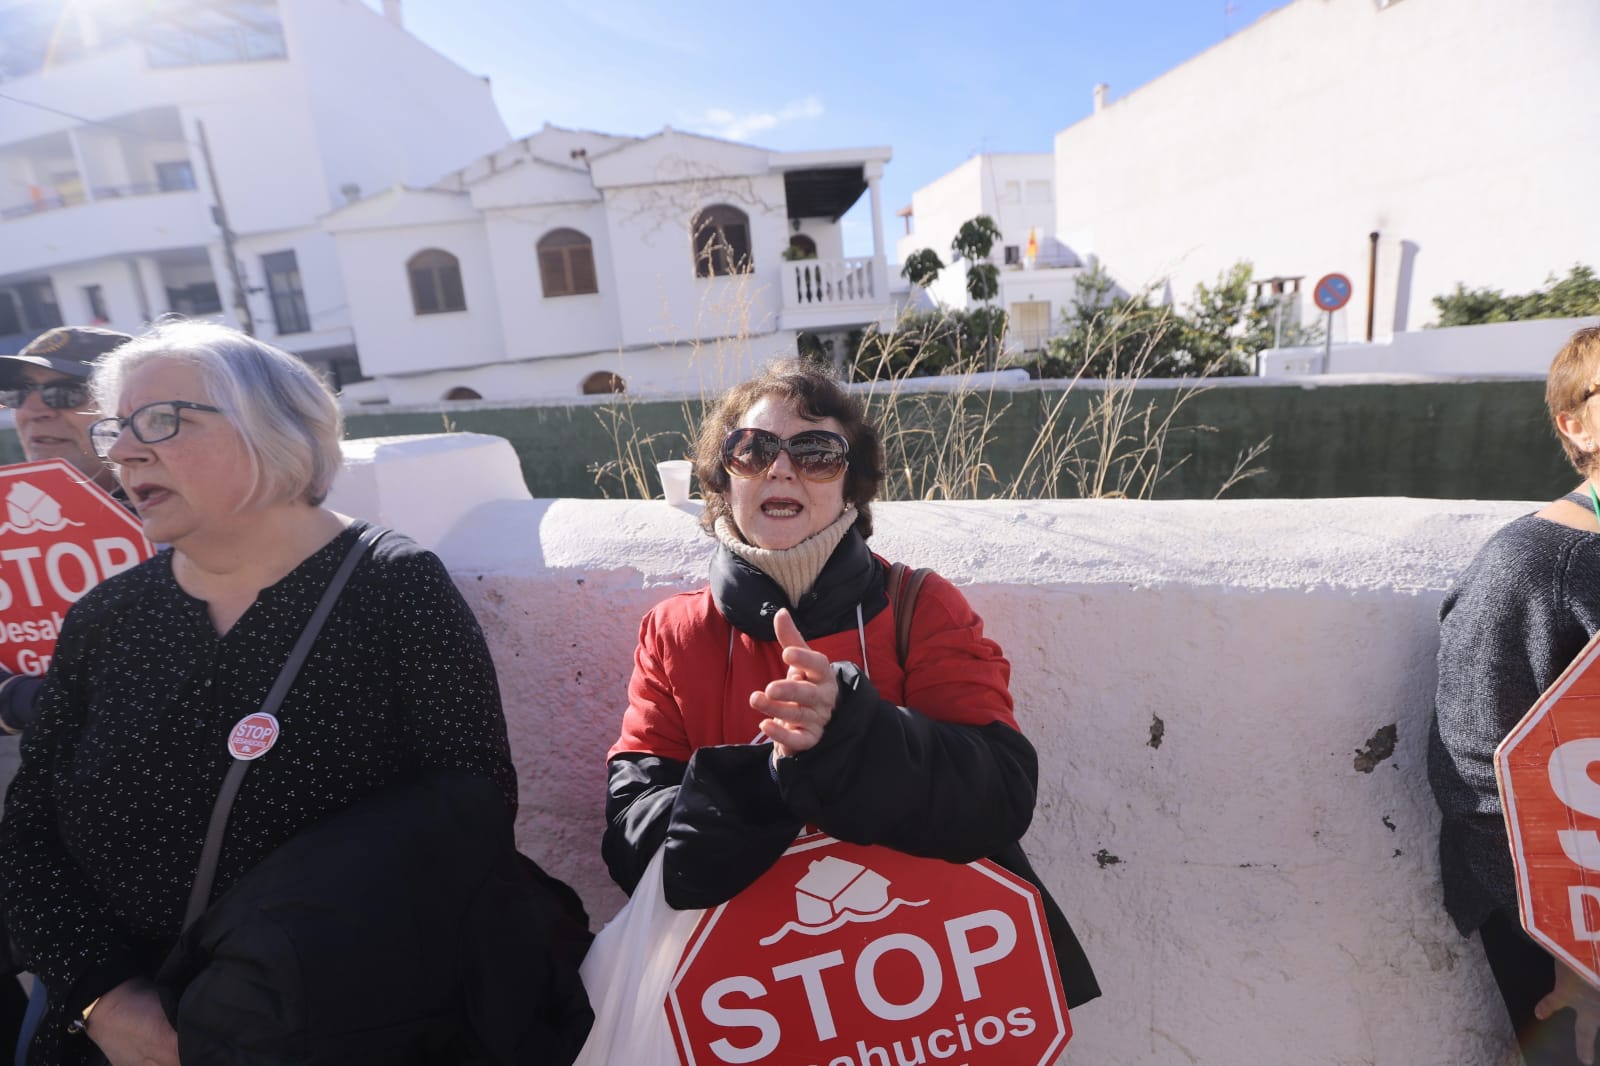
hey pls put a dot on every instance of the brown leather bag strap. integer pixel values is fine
(904, 585)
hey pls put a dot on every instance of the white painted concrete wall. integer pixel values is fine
(1517, 348)
(1016, 189)
(1197, 676)
(1293, 139)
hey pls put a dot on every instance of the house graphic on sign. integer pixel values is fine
(835, 892)
(834, 885)
(29, 509)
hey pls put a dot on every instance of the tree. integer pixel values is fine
(922, 268)
(1575, 296)
(973, 242)
(1109, 331)
(984, 326)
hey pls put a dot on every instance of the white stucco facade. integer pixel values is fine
(1518, 349)
(305, 103)
(1210, 685)
(647, 315)
(1454, 129)
(1016, 190)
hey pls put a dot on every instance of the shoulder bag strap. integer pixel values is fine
(205, 876)
(904, 585)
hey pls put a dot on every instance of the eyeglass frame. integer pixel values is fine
(127, 423)
(27, 388)
(783, 446)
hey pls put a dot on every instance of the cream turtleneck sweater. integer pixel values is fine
(794, 569)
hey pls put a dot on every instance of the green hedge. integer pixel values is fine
(1456, 440)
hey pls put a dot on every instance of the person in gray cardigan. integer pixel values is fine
(1516, 618)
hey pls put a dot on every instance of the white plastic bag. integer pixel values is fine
(628, 971)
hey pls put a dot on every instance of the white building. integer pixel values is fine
(1016, 190)
(107, 197)
(572, 261)
(1458, 131)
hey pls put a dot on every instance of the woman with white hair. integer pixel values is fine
(227, 448)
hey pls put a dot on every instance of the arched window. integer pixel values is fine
(463, 392)
(435, 282)
(601, 382)
(721, 241)
(802, 247)
(566, 263)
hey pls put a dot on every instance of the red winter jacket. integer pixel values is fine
(927, 759)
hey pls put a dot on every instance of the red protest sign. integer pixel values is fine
(1552, 810)
(849, 955)
(60, 536)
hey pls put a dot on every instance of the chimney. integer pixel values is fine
(391, 11)
(1100, 92)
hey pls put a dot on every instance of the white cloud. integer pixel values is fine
(721, 122)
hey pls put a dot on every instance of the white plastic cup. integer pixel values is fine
(674, 475)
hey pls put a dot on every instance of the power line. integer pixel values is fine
(94, 121)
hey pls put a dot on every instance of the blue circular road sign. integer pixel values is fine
(1332, 292)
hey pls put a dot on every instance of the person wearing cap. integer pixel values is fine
(46, 385)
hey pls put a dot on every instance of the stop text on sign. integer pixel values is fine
(814, 974)
(1552, 814)
(887, 959)
(60, 536)
(1570, 781)
(35, 574)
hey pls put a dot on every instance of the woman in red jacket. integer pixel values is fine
(776, 697)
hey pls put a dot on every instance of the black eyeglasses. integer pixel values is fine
(60, 395)
(151, 424)
(817, 454)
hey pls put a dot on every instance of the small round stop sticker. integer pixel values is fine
(253, 737)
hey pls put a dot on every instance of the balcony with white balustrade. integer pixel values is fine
(834, 293)
(118, 222)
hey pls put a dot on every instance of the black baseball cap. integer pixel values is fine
(65, 349)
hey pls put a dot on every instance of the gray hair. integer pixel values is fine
(283, 410)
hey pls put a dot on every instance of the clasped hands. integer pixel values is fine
(799, 705)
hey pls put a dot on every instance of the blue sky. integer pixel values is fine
(936, 81)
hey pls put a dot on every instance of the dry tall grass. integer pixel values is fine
(939, 443)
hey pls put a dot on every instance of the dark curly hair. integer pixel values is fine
(814, 396)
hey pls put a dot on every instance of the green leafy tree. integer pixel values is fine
(1109, 332)
(980, 332)
(922, 267)
(973, 242)
(1575, 296)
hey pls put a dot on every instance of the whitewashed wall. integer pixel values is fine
(1210, 685)
(1294, 138)
(1520, 348)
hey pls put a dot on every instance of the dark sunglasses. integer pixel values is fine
(61, 395)
(817, 454)
(151, 424)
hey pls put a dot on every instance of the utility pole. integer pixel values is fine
(219, 214)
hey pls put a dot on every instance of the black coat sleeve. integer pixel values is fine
(19, 700)
(883, 774)
(63, 927)
(719, 816)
